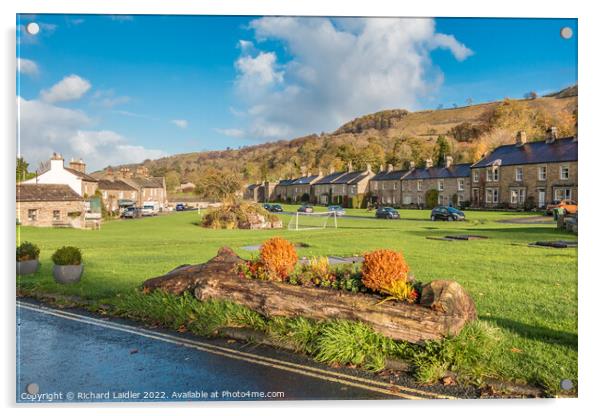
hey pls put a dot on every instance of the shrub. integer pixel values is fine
(431, 198)
(67, 256)
(386, 271)
(235, 215)
(279, 257)
(27, 251)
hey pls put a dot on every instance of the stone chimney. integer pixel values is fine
(78, 165)
(412, 165)
(389, 168)
(381, 168)
(331, 171)
(552, 134)
(428, 163)
(349, 166)
(368, 167)
(304, 171)
(125, 173)
(448, 161)
(521, 138)
(320, 174)
(142, 172)
(56, 161)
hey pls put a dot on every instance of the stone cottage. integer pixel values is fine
(49, 205)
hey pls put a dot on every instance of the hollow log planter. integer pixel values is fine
(445, 307)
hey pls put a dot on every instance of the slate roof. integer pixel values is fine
(394, 175)
(46, 192)
(330, 178)
(454, 171)
(285, 182)
(117, 185)
(152, 182)
(82, 175)
(252, 186)
(561, 150)
(304, 180)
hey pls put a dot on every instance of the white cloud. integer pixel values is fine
(180, 123)
(109, 99)
(45, 128)
(27, 66)
(231, 132)
(339, 69)
(70, 88)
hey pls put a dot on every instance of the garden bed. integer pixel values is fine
(443, 310)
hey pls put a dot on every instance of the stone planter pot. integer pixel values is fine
(67, 274)
(27, 267)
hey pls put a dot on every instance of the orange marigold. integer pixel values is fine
(386, 271)
(279, 257)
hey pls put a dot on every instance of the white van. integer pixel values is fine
(150, 208)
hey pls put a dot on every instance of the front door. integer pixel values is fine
(541, 201)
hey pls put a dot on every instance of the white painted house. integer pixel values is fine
(74, 176)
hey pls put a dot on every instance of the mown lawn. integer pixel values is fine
(529, 293)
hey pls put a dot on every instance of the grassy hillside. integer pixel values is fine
(390, 136)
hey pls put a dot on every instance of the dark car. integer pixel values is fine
(275, 208)
(131, 212)
(180, 207)
(387, 212)
(447, 214)
(267, 207)
(306, 208)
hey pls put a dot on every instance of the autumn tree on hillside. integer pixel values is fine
(218, 185)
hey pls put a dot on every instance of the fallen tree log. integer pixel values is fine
(444, 309)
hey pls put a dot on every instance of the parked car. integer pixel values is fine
(568, 205)
(337, 209)
(447, 214)
(131, 212)
(387, 213)
(276, 208)
(180, 207)
(306, 208)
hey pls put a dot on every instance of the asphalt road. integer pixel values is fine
(73, 357)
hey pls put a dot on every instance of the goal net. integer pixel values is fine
(312, 221)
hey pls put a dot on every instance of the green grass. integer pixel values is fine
(528, 294)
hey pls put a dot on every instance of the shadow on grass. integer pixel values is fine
(549, 336)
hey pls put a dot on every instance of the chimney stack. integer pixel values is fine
(78, 165)
(320, 174)
(389, 167)
(56, 161)
(349, 166)
(448, 161)
(521, 138)
(304, 171)
(412, 165)
(125, 173)
(428, 163)
(381, 168)
(552, 134)
(368, 167)
(331, 170)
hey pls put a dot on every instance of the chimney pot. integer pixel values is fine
(331, 169)
(412, 164)
(349, 166)
(521, 138)
(368, 167)
(428, 163)
(448, 161)
(552, 134)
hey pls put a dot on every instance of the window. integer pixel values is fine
(513, 196)
(562, 193)
(56, 215)
(460, 199)
(460, 184)
(104, 194)
(440, 184)
(564, 172)
(419, 185)
(418, 199)
(493, 174)
(440, 199)
(384, 186)
(491, 196)
(394, 187)
(518, 173)
(32, 214)
(475, 176)
(521, 196)
(352, 190)
(542, 173)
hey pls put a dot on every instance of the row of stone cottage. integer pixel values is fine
(520, 175)
(65, 195)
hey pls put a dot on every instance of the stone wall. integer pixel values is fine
(50, 213)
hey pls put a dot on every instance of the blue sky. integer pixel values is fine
(123, 88)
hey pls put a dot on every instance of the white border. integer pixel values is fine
(590, 201)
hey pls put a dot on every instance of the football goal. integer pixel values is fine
(312, 221)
